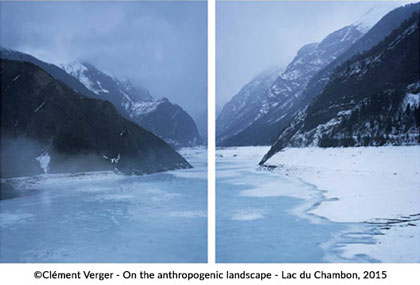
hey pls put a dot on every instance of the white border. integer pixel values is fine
(211, 142)
(406, 274)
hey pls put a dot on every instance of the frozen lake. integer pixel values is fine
(105, 217)
(264, 217)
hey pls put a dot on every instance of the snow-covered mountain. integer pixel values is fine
(371, 99)
(376, 34)
(168, 121)
(133, 102)
(374, 14)
(103, 85)
(265, 104)
(304, 79)
(48, 127)
(242, 110)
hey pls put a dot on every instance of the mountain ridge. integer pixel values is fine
(378, 103)
(62, 131)
(278, 103)
(167, 120)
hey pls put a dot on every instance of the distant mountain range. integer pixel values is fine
(264, 108)
(166, 120)
(245, 107)
(266, 104)
(49, 127)
(368, 96)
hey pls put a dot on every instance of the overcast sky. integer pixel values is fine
(160, 45)
(254, 36)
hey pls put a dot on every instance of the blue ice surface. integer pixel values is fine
(104, 217)
(258, 229)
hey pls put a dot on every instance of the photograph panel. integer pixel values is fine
(317, 131)
(103, 131)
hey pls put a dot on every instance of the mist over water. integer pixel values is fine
(17, 157)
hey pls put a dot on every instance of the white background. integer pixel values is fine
(406, 274)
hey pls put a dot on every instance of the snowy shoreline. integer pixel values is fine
(373, 185)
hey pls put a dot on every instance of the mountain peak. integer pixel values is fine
(166, 120)
(82, 71)
(373, 15)
(73, 67)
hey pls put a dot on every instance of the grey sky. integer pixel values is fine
(253, 36)
(160, 45)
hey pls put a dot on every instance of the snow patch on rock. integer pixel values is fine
(44, 161)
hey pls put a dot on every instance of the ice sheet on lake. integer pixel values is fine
(106, 217)
(248, 214)
(188, 214)
(348, 189)
(8, 219)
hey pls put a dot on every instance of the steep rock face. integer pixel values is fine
(371, 99)
(163, 117)
(374, 36)
(105, 86)
(273, 107)
(47, 126)
(166, 120)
